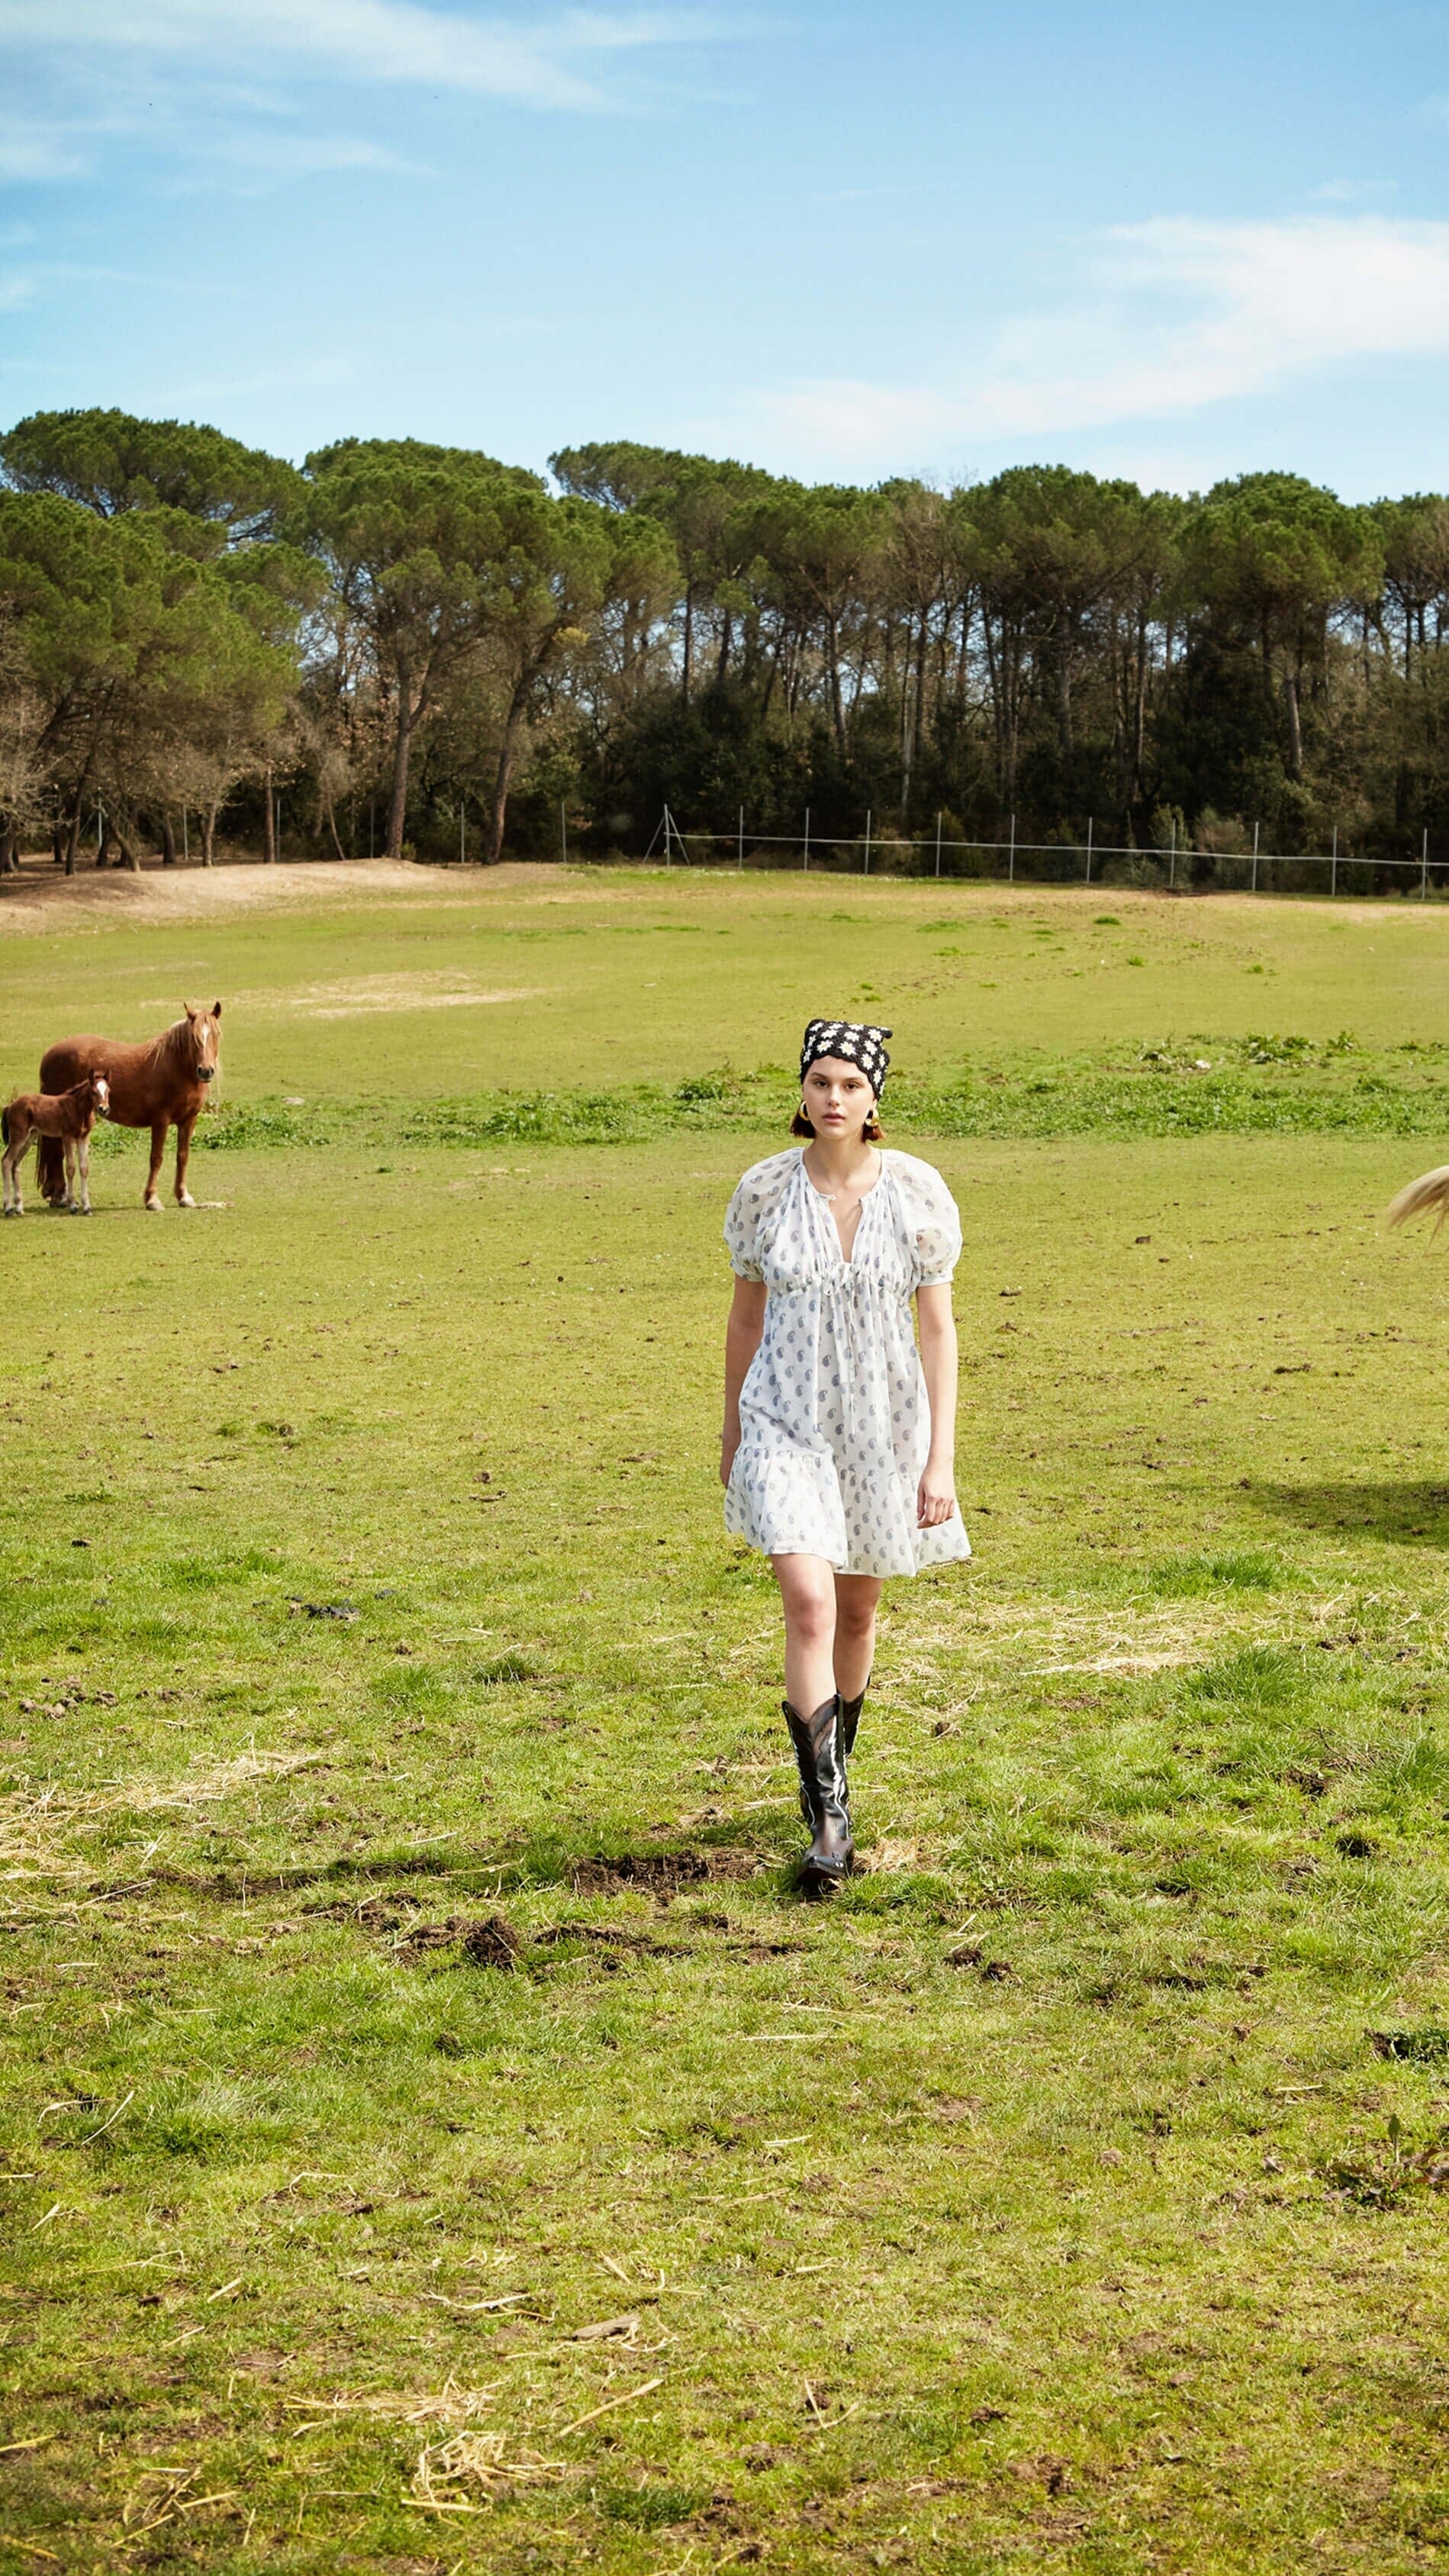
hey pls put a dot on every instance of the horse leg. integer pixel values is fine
(72, 1203)
(83, 1156)
(158, 1148)
(10, 1179)
(183, 1149)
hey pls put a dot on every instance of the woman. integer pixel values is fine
(837, 1456)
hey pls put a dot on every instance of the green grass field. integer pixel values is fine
(435, 2138)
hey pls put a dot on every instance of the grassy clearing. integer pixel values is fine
(435, 2136)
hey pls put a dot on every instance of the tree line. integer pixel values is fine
(417, 649)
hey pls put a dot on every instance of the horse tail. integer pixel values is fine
(4, 1126)
(1431, 1191)
(50, 1169)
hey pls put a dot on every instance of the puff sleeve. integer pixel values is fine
(751, 1212)
(933, 1223)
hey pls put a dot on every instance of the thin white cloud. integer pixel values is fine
(295, 156)
(34, 150)
(1178, 315)
(1351, 192)
(546, 65)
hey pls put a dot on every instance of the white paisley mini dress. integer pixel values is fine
(834, 1421)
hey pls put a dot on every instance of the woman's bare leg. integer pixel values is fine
(807, 1595)
(857, 1598)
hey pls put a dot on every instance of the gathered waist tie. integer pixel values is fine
(839, 1296)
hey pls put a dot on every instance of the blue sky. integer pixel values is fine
(842, 242)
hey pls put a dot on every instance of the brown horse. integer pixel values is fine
(159, 1085)
(65, 1119)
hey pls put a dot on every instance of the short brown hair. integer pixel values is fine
(872, 1131)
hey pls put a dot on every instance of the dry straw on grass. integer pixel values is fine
(450, 2474)
(35, 1822)
(450, 2405)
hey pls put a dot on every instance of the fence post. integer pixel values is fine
(668, 828)
(277, 828)
(371, 827)
(1255, 858)
(805, 862)
(1011, 862)
(866, 869)
(1089, 849)
(1424, 869)
(563, 828)
(740, 859)
(185, 841)
(1172, 863)
(938, 843)
(1333, 867)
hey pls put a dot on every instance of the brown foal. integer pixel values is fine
(157, 1084)
(64, 1119)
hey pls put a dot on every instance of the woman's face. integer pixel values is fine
(838, 1099)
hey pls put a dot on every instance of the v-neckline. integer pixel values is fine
(847, 1259)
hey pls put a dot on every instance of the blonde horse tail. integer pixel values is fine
(1432, 1191)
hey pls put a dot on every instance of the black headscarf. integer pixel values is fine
(855, 1042)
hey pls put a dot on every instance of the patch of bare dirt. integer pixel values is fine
(441, 990)
(660, 1873)
(41, 899)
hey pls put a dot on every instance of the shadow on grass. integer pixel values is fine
(542, 1862)
(1406, 1515)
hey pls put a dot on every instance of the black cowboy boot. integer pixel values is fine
(850, 1722)
(823, 1796)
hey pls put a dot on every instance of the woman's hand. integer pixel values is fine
(936, 1493)
(728, 1445)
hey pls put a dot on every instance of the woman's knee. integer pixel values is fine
(809, 1609)
(854, 1614)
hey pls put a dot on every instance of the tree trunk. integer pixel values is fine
(269, 819)
(774, 674)
(919, 717)
(168, 842)
(507, 761)
(9, 856)
(1295, 721)
(726, 640)
(993, 690)
(397, 810)
(1139, 730)
(73, 831)
(123, 833)
(1065, 742)
(208, 835)
(837, 703)
(688, 637)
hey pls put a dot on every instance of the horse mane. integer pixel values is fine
(167, 1044)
